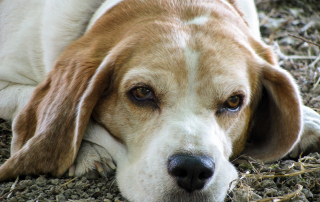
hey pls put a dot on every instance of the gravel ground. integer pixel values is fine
(285, 24)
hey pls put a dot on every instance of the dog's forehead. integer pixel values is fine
(186, 62)
(184, 47)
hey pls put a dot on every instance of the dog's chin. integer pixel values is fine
(177, 195)
(189, 197)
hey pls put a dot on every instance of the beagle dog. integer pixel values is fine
(167, 91)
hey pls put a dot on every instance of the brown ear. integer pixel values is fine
(49, 130)
(277, 118)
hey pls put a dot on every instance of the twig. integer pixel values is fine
(309, 165)
(314, 62)
(68, 182)
(301, 57)
(300, 162)
(4, 127)
(267, 17)
(7, 194)
(307, 26)
(284, 197)
(316, 84)
(13, 188)
(291, 57)
(304, 39)
(280, 175)
(312, 65)
(271, 37)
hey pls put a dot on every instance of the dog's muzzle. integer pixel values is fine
(191, 172)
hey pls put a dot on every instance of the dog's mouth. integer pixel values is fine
(188, 197)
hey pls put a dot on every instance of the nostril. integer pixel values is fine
(192, 172)
(179, 172)
(205, 175)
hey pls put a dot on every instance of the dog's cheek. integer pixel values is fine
(146, 169)
(239, 133)
(106, 114)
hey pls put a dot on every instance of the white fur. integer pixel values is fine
(33, 33)
(191, 58)
(250, 15)
(103, 8)
(199, 20)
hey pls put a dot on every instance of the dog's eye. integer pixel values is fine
(142, 94)
(233, 103)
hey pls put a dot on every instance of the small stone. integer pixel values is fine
(100, 184)
(42, 196)
(41, 181)
(34, 187)
(54, 181)
(7, 189)
(27, 182)
(74, 197)
(109, 196)
(240, 195)
(79, 184)
(61, 198)
(307, 193)
(70, 185)
(97, 194)
(268, 184)
(300, 198)
(255, 197)
(84, 195)
(68, 193)
(79, 191)
(30, 195)
(90, 191)
(107, 200)
(270, 192)
(12, 199)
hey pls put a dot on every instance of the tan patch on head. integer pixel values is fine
(163, 66)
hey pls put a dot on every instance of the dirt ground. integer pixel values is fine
(292, 27)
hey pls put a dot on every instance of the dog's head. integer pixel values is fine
(183, 86)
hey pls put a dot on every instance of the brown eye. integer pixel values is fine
(233, 103)
(142, 94)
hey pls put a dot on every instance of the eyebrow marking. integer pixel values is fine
(199, 20)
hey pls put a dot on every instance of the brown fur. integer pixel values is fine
(48, 132)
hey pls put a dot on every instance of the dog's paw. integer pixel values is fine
(310, 136)
(92, 160)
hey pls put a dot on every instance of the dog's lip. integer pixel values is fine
(180, 195)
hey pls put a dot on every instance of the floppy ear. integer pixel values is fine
(277, 118)
(49, 130)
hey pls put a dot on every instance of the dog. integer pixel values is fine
(167, 91)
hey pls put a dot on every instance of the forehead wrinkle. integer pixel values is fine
(219, 76)
(164, 81)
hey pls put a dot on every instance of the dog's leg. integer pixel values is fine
(13, 97)
(98, 153)
(310, 135)
(91, 161)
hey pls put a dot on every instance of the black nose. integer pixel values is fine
(192, 172)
